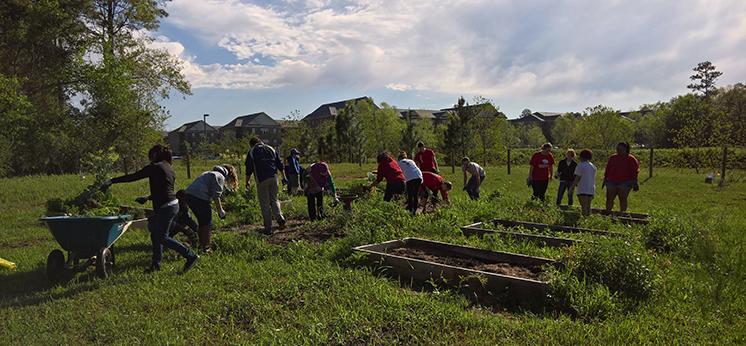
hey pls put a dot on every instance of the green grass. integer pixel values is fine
(250, 291)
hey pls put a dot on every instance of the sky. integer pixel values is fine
(285, 56)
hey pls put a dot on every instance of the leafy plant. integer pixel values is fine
(91, 201)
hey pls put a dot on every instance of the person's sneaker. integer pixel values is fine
(190, 262)
(152, 269)
(281, 224)
(266, 231)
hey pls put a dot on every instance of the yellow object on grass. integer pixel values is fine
(7, 264)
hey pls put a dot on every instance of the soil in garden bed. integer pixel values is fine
(470, 263)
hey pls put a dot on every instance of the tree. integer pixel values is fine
(729, 118)
(703, 80)
(526, 112)
(687, 121)
(529, 136)
(129, 80)
(458, 138)
(603, 127)
(564, 131)
(409, 136)
(381, 127)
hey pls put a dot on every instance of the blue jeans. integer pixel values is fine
(158, 225)
(564, 186)
(472, 188)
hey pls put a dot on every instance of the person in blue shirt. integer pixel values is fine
(263, 162)
(292, 172)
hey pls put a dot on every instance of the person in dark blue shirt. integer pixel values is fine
(263, 162)
(292, 171)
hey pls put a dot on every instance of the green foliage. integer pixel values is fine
(602, 127)
(46, 47)
(565, 133)
(589, 301)
(671, 235)
(529, 136)
(624, 267)
(242, 207)
(92, 201)
(381, 128)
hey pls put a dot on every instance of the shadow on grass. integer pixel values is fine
(27, 288)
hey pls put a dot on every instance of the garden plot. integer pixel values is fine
(623, 217)
(556, 239)
(486, 276)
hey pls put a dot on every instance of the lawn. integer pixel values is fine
(254, 291)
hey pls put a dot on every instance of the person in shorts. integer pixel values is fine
(620, 176)
(584, 183)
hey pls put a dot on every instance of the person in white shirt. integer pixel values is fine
(585, 181)
(413, 180)
(477, 177)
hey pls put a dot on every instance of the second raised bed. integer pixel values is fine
(487, 276)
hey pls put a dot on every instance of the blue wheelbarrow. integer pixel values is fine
(88, 241)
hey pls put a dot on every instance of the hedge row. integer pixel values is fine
(704, 158)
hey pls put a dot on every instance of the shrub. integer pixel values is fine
(669, 235)
(575, 296)
(621, 266)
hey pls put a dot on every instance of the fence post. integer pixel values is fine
(722, 167)
(651, 163)
(508, 161)
(189, 164)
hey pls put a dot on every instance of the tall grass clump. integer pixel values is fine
(602, 278)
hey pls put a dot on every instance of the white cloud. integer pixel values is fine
(565, 51)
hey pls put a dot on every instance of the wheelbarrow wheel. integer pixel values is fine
(56, 267)
(104, 263)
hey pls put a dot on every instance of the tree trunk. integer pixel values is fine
(723, 165)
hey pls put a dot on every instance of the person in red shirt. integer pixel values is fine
(540, 171)
(432, 182)
(389, 169)
(620, 176)
(425, 159)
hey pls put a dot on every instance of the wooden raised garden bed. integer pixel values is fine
(486, 276)
(623, 217)
(556, 228)
(479, 230)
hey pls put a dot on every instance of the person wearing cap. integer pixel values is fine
(413, 180)
(477, 177)
(540, 171)
(434, 183)
(425, 159)
(263, 162)
(292, 171)
(209, 186)
(389, 169)
(620, 176)
(319, 181)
